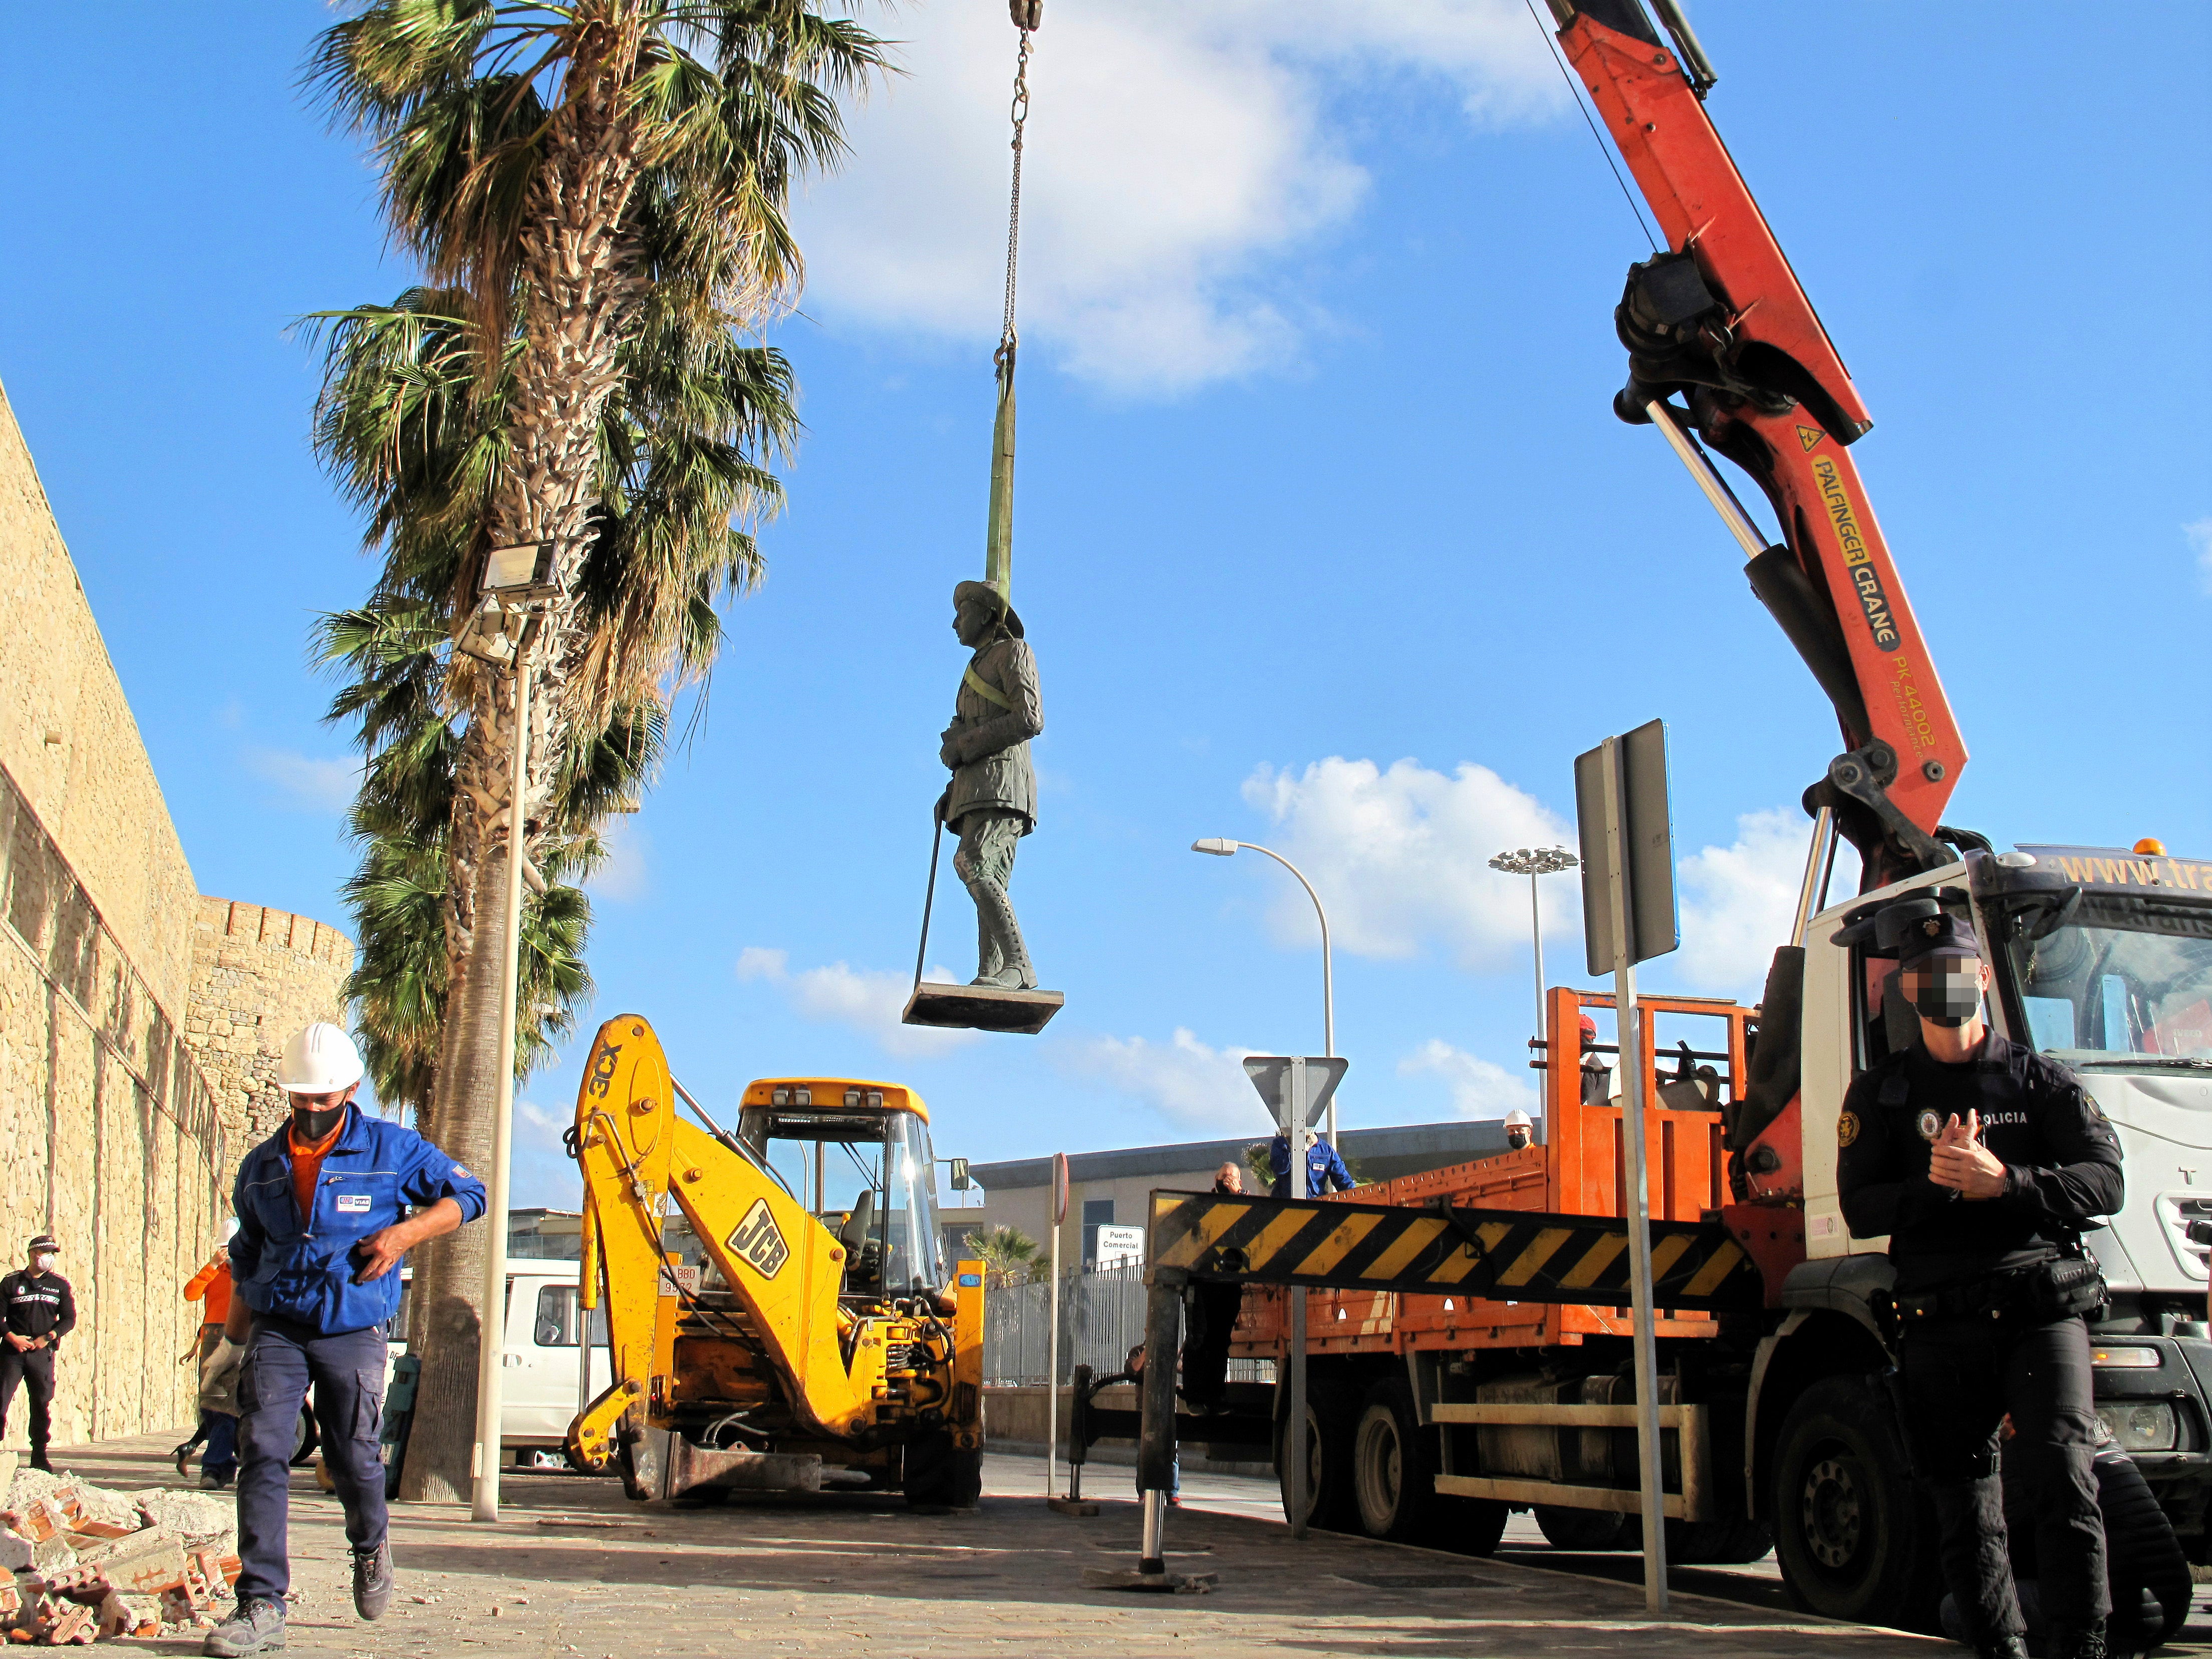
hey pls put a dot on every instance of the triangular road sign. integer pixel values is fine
(1296, 1087)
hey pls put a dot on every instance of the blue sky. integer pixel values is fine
(1325, 535)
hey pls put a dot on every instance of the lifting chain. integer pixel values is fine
(1027, 15)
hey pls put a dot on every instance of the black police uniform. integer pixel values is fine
(40, 1305)
(1989, 1296)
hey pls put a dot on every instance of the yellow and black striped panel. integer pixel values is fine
(1504, 1256)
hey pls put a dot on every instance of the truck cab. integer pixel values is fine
(2102, 961)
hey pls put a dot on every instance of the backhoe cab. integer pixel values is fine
(818, 1342)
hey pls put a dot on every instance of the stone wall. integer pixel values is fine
(113, 1143)
(258, 976)
(111, 1135)
(68, 740)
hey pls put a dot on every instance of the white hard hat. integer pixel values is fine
(319, 1059)
(1517, 1119)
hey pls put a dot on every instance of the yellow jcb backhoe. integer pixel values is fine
(816, 1343)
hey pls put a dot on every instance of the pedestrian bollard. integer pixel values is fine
(1156, 1450)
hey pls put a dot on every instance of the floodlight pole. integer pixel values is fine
(491, 1350)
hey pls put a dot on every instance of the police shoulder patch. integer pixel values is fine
(1847, 1129)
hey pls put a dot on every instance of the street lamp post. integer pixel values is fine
(1221, 848)
(1533, 863)
(500, 635)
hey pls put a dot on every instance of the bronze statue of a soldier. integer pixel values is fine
(991, 803)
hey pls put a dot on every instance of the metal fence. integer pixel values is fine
(1102, 1317)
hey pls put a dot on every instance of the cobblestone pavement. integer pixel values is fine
(575, 1569)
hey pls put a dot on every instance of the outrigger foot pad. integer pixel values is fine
(1158, 1584)
(981, 1008)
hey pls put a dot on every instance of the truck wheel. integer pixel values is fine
(1582, 1530)
(939, 1475)
(1718, 1543)
(1471, 1525)
(1857, 1542)
(1392, 1475)
(1331, 1414)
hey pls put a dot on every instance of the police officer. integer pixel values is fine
(37, 1310)
(323, 1210)
(1981, 1160)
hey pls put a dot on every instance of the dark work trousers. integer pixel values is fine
(1961, 1376)
(35, 1371)
(282, 1358)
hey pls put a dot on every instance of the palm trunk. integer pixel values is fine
(446, 1302)
(580, 297)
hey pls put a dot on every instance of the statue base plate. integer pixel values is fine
(981, 1008)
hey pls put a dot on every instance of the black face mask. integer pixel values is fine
(314, 1126)
(1950, 991)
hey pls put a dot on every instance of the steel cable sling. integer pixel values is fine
(998, 528)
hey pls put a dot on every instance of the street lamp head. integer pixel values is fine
(1536, 861)
(1220, 846)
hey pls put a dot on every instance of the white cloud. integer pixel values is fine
(312, 785)
(1480, 1088)
(625, 875)
(869, 1000)
(1738, 902)
(2200, 539)
(1192, 1085)
(533, 1123)
(1172, 151)
(1402, 858)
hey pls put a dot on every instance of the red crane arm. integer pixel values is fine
(1721, 320)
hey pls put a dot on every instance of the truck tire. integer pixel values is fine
(1470, 1525)
(1392, 1469)
(1718, 1543)
(1582, 1530)
(1331, 1414)
(939, 1474)
(1857, 1542)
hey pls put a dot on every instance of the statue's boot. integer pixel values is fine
(1003, 960)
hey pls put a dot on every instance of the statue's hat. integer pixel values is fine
(985, 594)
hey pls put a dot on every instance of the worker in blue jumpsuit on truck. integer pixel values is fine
(326, 1208)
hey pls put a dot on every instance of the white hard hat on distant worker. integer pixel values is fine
(1517, 1119)
(319, 1059)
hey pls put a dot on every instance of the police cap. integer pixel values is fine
(1936, 936)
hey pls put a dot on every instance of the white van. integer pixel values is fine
(546, 1382)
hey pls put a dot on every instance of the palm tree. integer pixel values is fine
(1009, 1256)
(418, 436)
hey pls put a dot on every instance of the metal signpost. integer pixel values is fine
(1297, 1089)
(1628, 917)
(1052, 1339)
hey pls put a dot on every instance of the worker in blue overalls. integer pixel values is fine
(324, 1217)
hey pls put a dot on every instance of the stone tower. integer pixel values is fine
(258, 976)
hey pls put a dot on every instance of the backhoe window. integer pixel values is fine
(2124, 984)
(828, 1159)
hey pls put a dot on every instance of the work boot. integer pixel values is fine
(258, 1626)
(2002, 1647)
(2077, 1641)
(372, 1581)
(39, 1459)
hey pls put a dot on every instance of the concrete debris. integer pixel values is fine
(79, 1562)
(130, 1616)
(193, 1516)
